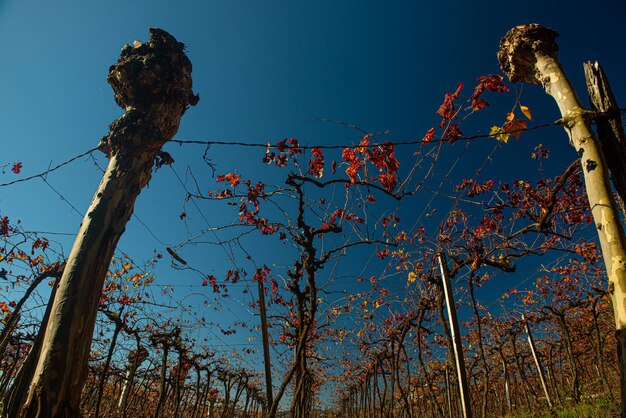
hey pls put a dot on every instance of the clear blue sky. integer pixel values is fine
(265, 71)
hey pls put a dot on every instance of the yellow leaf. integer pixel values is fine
(526, 111)
(499, 134)
(412, 277)
(510, 116)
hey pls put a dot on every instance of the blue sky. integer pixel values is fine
(266, 71)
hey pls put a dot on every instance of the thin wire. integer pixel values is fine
(267, 145)
(184, 186)
(61, 196)
(50, 170)
(395, 143)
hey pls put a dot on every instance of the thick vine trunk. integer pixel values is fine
(429, 384)
(569, 350)
(19, 390)
(529, 54)
(162, 382)
(105, 371)
(507, 386)
(152, 82)
(481, 347)
(600, 349)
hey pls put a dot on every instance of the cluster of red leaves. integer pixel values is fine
(523, 208)
(354, 163)
(4, 308)
(17, 167)
(388, 219)
(382, 253)
(589, 251)
(570, 283)
(341, 214)
(473, 188)
(249, 203)
(263, 275)
(451, 225)
(287, 148)
(382, 156)
(449, 110)
(419, 236)
(213, 281)
(5, 227)
(233, 276)
(531, 202)
(316, 163)
(228, 331)
(39, 243)
(452, 133)
(490, 82)
(430, 134)
(232, 178)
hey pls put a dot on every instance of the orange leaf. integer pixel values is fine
(515, 127)
(526, 111)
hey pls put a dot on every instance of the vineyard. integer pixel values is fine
(473, 268)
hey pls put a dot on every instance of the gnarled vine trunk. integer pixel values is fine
(152, 82)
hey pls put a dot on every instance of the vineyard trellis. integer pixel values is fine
(402, 345)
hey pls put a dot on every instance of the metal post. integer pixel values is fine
(266, 347)
(456, 338)
(507, 388)
(532, 349)
(448, 395)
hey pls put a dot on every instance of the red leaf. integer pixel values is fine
(233, 179)
(447, 109)
(452, 133)
(429, 136)
(491, 82)
(316, 164)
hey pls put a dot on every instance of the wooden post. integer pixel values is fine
(135, 358)
(610, 131)
(542, 379)
(456, 339)
(266, 347)
(529, 54)
(152, 83)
